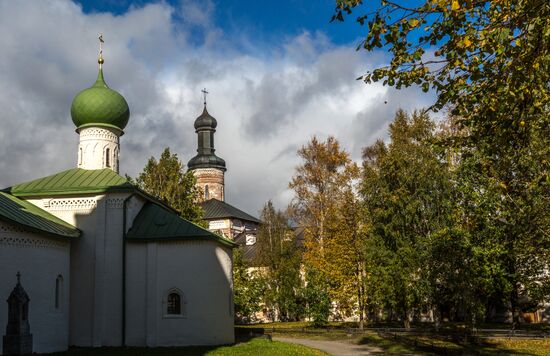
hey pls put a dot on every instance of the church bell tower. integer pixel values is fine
(100, 114)
(208, 168)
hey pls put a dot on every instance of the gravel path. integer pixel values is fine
(335, 348)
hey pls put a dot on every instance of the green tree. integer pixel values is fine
(247, 288)
(489, 62)
(406, 192)
(279, 259)
(471, 270)
(508, 221)
(316, 296)
(166, 180)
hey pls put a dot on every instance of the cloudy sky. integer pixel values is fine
(278, 73)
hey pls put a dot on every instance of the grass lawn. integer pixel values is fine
(407, 344)
(424, 345)
(252, 347)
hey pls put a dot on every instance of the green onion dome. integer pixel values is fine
(100, 105)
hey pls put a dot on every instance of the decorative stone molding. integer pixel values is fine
(94, 133)
(9, 229)
(71, 204)
(30, 242)
(115, 203)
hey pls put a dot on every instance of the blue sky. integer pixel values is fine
(278, 74)
(267, 21)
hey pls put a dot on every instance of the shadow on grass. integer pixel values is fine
(435, 345)
(240, 338)
(247, 334)
(136, 351)
(254, 347)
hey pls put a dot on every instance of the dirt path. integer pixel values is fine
(335, 348)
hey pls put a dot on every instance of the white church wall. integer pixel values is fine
(136, 292)
(41, 260)
(96, 265)
(200, 271)
(81, 212)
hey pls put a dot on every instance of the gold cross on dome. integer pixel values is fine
(100, 58)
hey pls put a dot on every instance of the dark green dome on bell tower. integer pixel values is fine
(205, 127)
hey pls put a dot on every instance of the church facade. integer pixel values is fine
(103, 262)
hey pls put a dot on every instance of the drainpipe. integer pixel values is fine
(124, 223)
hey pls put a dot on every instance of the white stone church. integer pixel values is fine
(104, 263)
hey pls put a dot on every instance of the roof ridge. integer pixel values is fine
(73, 181)
(214, 208)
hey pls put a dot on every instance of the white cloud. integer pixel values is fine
(268, 101)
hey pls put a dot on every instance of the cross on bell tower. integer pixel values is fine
(204, 93)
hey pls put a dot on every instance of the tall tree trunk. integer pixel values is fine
(514, 303)
(406, 311)
(437, 318)
(406, 321)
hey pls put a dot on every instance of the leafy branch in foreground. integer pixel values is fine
(489, 60)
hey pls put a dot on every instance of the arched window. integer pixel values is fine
(107, 156)
(173, 304)
(115, 159)
(80, 155)
(206, 193)
(58, 291)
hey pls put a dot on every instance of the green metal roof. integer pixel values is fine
(73, 181)
(217, 209)
(29, 216)
(154, 222)
(100, 105)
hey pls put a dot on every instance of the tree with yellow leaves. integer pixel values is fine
(325, 206)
